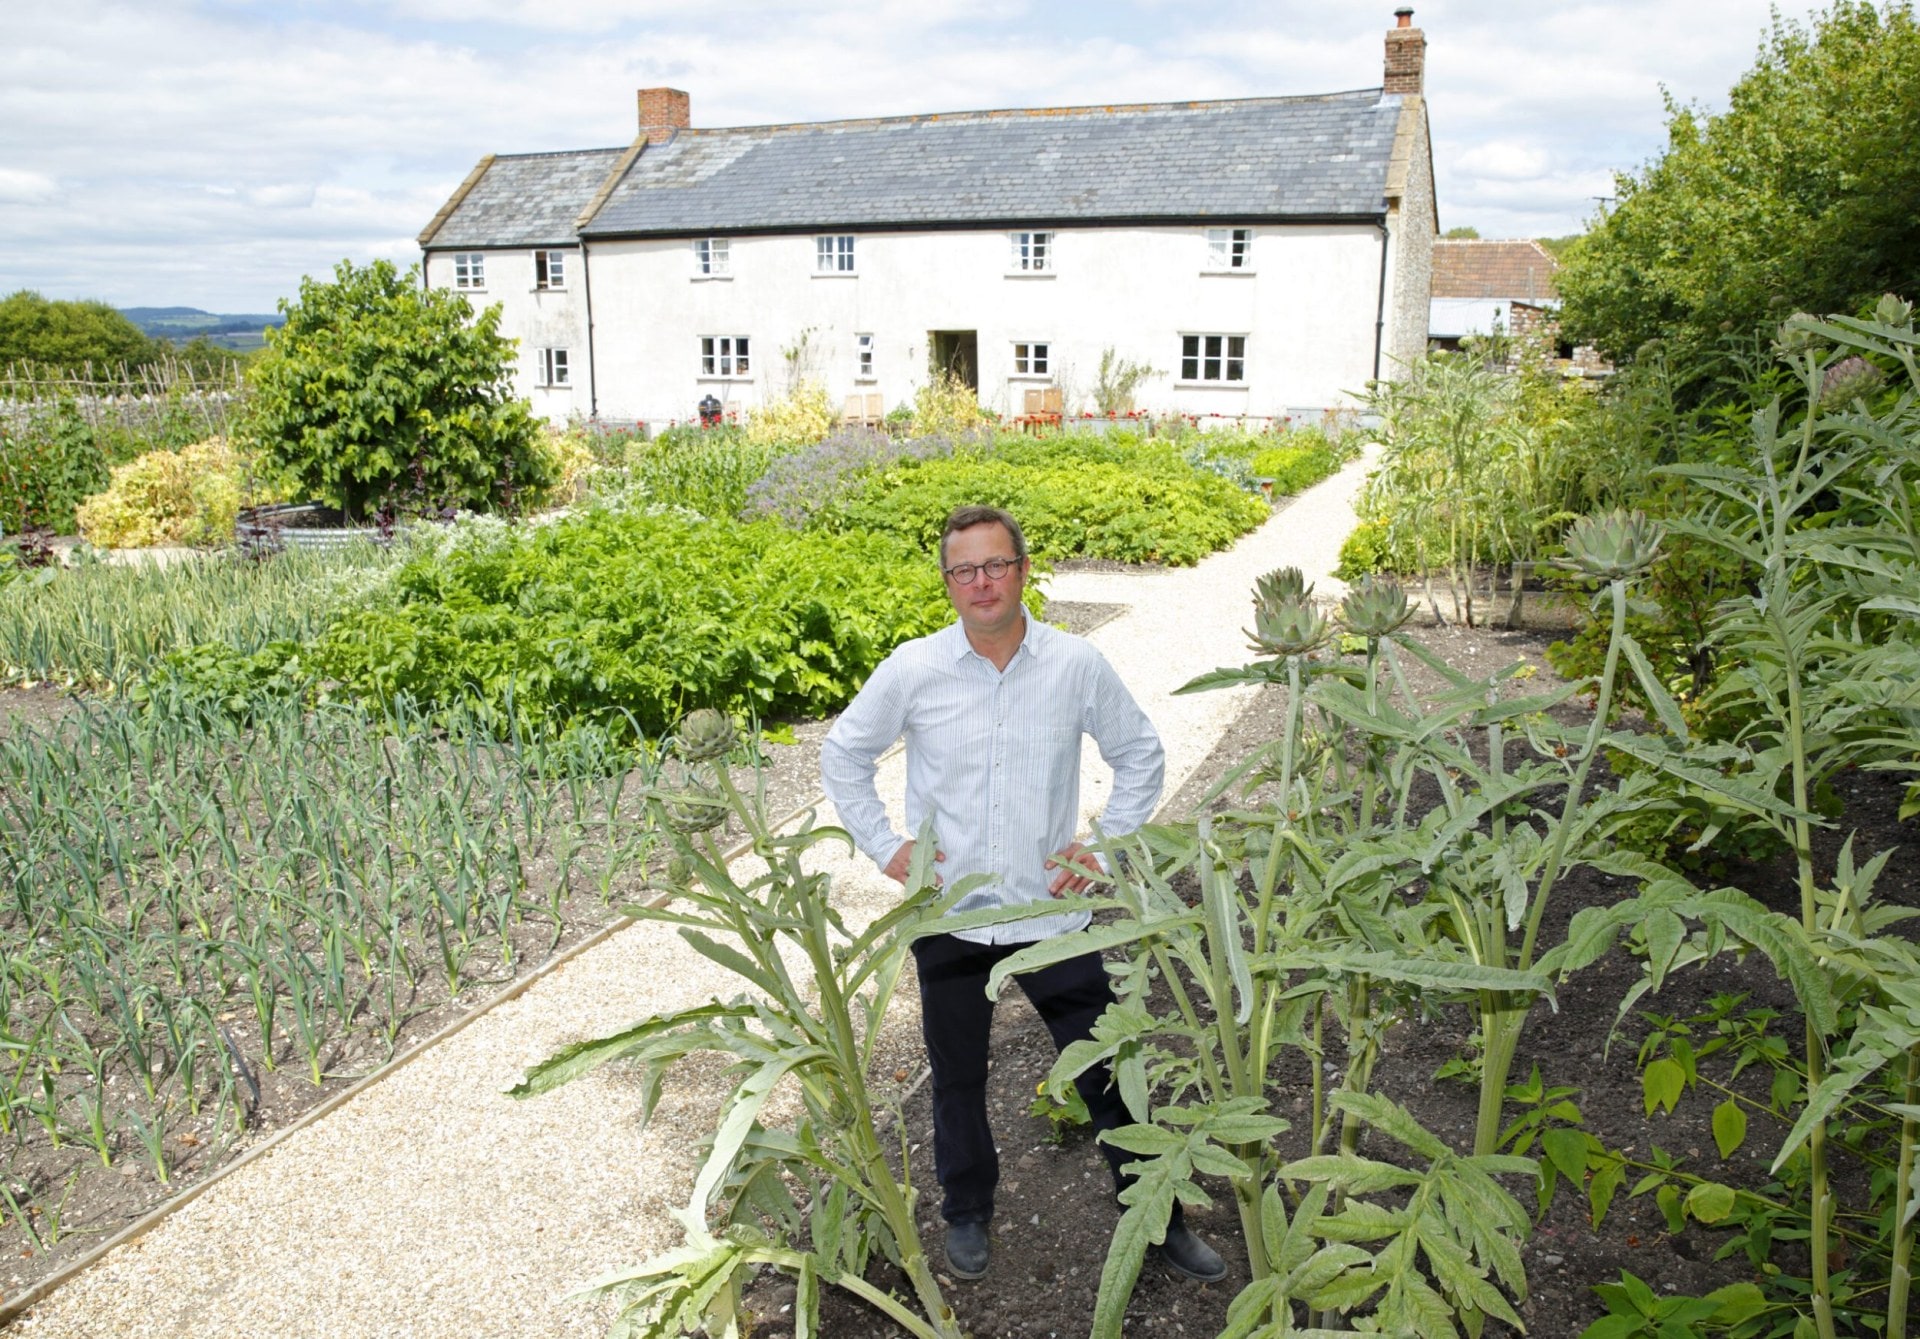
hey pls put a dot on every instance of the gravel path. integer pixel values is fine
(432, 1205)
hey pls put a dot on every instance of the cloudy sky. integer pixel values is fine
(210, 152)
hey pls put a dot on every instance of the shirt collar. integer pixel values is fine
(1032, 641)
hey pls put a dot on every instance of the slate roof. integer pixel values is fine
(1484, 268)
(1322, 156)
(527, 199)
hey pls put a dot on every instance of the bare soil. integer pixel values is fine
(1055, 1212)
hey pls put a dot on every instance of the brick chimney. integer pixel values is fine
(665, 110)
(1406, 54)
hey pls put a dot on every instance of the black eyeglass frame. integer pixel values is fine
(972, 571)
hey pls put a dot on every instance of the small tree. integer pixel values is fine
(378, 392)
(1118, 379)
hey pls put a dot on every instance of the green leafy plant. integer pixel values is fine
(1118, 380)
(378, 392)
(189, 497)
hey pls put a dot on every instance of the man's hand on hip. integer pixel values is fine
(1070, 860)
(903, 860)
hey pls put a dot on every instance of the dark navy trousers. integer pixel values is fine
(957, 1021)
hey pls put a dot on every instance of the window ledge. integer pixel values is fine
(548, 289)
(866, 381)
(710, 278)
(748, 376)
(1210, 385)
(1227, 274)
(1031, 274)
(1046, 377)
(836, 274)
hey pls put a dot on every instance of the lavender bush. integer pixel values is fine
(797, 487)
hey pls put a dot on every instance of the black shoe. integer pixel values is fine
(1187, 1254)
(968, 1250)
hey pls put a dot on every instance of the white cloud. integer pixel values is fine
(26, 188)
(211, 152)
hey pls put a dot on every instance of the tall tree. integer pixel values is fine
(378, 392)
(64, 334)
(1803, 194)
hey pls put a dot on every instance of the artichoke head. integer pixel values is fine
(1613, 546)
(690, 797)
(1289, 628)
(1283, 585)
(705, 735)
(1375, 609)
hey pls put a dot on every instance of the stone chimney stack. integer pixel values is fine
(663, 111)
(1406, 54)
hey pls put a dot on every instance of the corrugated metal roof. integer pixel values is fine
(527, 199)
(1323, 156)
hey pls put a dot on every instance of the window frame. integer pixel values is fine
(470, 271)
(863, 350)
(726, 357)
(1229, 251)
(834, 255)
(556, 368)
(1032, 252)
(1033, 359)
(1228, 353)
(712, 258)
(549, 262)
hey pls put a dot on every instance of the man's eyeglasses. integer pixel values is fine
(962, 574)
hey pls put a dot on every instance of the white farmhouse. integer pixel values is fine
(1264, 256)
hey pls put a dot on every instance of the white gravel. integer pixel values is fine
(432, 1205)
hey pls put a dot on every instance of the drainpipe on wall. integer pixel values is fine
(593, 374)
(1380, 317)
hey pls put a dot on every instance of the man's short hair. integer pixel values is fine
(965, 518)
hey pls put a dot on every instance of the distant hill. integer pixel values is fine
(239, 331)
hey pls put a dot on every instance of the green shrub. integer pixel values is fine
(1074, 508)
(189, 496)
(380, 393)
(707, 470)
(1367, 549)
(946, 406)
(1294, 468)
(627, 615)
(799, 419)
(50, 462)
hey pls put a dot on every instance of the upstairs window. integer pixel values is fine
(724, 356)
(469, 269)
(1213, 358)
(863, 357)
(1032, 252)
(549, 269)
(1032, 360)
(553, 368)
(711, 256)
(1229, 248)
(833, 255)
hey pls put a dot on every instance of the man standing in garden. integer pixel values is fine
(993, 708)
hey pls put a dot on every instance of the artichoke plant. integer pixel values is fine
(1614, 546)
(1283, 585)
(690, 796)
(1375, 609)
(705, 735)
(1291, 628)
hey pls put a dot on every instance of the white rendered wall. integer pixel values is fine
(537, 319)
(1308, 303)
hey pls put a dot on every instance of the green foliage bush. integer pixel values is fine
(69, 335)
(946, 406)
(189, 496)
(1799, 195)
(1069, 509)
(707, 470)
(799, 419)
(50, 462)
(377, 392)
(624, 614)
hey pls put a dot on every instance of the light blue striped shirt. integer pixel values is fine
(994, 757)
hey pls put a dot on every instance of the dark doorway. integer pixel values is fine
(958, 352)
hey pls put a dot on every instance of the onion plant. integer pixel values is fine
(828, 1181)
